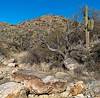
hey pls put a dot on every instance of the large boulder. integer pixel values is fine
(37, 85)
(71, 64)
(77, 88)
(12, 90)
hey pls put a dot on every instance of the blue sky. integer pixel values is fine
(16, 11)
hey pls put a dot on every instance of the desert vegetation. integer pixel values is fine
(53, 39)
(52, 45)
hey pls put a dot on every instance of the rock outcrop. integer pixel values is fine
(12, 90)
(37, 85)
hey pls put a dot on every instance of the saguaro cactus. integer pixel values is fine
(89, 24)
(86, 26)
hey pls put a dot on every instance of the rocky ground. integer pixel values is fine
(24, 81)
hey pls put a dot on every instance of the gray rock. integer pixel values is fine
(94, 86)
(80, 96)
(4, 61)
(61, 75)
(65, 94)
(11, 60)
(71, 64)
(12, 90)
(12, 64)
(49, 79)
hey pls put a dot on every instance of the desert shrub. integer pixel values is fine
(52, 40)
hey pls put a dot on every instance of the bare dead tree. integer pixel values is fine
(67, 46)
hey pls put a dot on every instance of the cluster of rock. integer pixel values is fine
(28, 82)
(17, 90)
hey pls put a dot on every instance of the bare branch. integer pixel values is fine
(56, 50)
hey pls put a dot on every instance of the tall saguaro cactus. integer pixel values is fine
(86, 27)
(89, 24)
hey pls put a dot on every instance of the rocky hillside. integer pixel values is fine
(26, 36)
(16, 36)
(45, 23)
(53, 31)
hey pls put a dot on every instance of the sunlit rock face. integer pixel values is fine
(12, 90)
